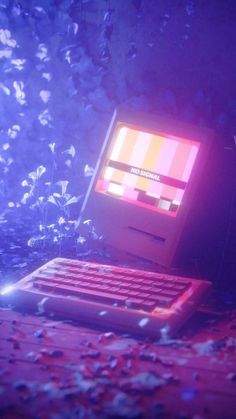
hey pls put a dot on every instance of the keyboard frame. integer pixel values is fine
(95, 314)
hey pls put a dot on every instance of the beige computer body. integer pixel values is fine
(136, 227)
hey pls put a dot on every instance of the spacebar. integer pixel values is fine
(81, 292)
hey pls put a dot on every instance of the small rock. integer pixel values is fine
(91, 354)
(231, 376)
(56, 353)
(40, 333)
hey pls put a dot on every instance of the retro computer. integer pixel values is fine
(145, 183)
(143, 188)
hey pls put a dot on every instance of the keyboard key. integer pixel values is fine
(145, 288)
(133, 302)
(136, 289)
(119, 289)
(148, 305)
(163, 301)
(81, 292)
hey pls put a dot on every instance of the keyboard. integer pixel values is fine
(129, 300)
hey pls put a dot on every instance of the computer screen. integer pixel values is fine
(145, 183)
(147, 168)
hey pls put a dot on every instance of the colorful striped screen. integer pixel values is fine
(148, 169)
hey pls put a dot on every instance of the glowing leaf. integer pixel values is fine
(72, 200)
(63, 184)
(52, 200)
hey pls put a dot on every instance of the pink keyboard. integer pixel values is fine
(130, 300)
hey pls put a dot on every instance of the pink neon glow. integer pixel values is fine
(155, 153)
(155, 187)
(119, 143)
(130, 194)
(183, 151)
(164, 163)
(168, 192)
(138, 156)
(102, 185)
(166, 156)
(179, 193)
(130, 180)
(190, 163)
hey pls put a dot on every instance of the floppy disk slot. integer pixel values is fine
(147, 234)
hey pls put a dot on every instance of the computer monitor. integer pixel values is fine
(145, 183)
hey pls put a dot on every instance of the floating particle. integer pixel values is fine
(81, 240)
(6, 53)
(19, 92)
(41, 304)
(47, 76)
(87, 222)
(45, 117)
(104, 312)
(32, 241)
(13, 131)
(45, 95)
(71, 151)
(42, 53)
(68, 163)
(52, 147)
(68, 56)
(39, 9)
(88, 171)
(18, 63)
(6, 39)
(20, 265)
(6, 146)
(73, 27)
(143, 322)
(61, 220)
(5, 89)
